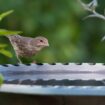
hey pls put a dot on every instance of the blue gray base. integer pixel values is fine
(54, 90)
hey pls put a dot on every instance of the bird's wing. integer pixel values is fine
(17, 39)
(21, 44)
(14, 38)
(18, 42)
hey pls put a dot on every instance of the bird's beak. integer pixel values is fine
(47, 45)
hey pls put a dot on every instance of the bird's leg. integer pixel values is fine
(34, 62)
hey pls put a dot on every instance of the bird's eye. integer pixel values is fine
(41, 40)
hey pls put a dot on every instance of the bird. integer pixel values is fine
(27, 46)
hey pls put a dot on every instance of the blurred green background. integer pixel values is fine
(71, 38)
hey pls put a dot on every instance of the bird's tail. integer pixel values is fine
(12, 36)
(8, 36)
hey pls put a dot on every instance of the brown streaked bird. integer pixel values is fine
(27, 46)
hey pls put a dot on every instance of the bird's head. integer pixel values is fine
(40, 42)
